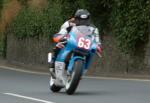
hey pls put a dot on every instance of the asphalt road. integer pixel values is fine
(19, 87)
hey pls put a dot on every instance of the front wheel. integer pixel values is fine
(74, 79)
(52, 85)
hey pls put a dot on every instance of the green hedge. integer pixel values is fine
(23, 2)
(130, 21)
(1, 6)
(32, 23)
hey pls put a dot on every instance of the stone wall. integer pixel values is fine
(29, 51)
(147, 56)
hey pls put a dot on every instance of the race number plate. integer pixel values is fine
(84, 43)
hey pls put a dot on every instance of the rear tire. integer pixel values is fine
(74, 79)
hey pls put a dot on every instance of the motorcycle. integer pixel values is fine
(73, 60)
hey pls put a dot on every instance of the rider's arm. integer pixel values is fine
(98, 41)
(63, 29)
(62, 32)
(97, 37)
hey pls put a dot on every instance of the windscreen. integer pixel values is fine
(82, 30)
(83, 36)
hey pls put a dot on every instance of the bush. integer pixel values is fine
(1, 6)
(32, 23)
(130, 21)
(23, 2)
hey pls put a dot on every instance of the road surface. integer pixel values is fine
(20, 87)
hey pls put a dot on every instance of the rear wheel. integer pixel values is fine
(74, 79)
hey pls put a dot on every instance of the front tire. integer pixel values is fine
(74, 79)
(52, 85)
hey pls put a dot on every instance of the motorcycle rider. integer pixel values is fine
(81, 17)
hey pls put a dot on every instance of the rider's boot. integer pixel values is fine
(52, 63)
(52, 70)
(52, 67)
(60, 77)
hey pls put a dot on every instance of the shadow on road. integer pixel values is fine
(86, 93)
(93, 93)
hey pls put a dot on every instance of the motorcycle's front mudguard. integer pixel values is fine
(72, 62)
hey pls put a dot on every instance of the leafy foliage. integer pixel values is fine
(32, 23)
(1, 6)
(23, 2)
(130, 21)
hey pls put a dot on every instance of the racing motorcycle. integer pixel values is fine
(73, 60)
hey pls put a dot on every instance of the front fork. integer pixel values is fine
(57, 71)
(60, 72)
(72, 62)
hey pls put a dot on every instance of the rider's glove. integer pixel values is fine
(99, 49)
(63, 39)
(62, 43)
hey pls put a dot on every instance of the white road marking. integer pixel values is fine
(23, 70)
(117, 78)
(90, 77)
(29, 98)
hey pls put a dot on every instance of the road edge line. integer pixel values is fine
(24, 70)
